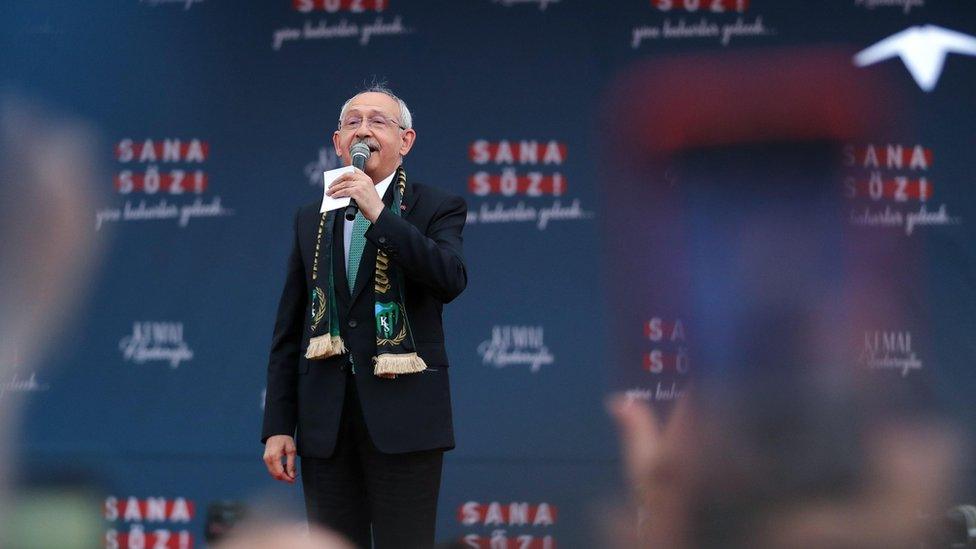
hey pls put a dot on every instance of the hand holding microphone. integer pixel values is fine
(360, 154)
(358, 186)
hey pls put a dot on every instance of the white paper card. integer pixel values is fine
(329, 203)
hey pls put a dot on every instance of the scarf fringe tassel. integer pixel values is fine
(407, 363)
(324, 346)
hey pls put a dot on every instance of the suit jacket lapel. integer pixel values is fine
(339, 260)
(409, 200)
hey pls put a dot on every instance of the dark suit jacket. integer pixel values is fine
(411, 412)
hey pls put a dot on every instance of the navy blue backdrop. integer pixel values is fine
(215, 120)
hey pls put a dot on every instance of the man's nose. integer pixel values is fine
(363, 130)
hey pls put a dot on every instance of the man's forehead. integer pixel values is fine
(372, 101)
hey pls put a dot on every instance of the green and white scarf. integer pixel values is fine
(395, 348)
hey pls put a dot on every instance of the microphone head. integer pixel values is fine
(359, 150)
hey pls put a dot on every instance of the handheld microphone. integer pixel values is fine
(359, 153)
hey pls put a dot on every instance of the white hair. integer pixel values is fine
(406, 120)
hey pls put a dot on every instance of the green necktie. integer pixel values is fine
(356, 246)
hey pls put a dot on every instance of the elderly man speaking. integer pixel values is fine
(357, 364)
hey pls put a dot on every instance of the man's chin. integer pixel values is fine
(377, 173)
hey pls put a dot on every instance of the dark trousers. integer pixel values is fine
(359, 486)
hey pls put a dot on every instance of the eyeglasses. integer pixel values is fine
(376, 122)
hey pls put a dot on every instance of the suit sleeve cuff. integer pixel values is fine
(383, 232)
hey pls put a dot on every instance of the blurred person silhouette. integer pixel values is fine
(694, 487)
(48, 168)
(257, 535)
(729, 181)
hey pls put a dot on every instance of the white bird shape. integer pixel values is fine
(923, 49)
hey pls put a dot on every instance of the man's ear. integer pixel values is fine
(406, 141)
(335, 143)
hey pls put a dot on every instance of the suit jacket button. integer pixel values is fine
(352, 323)
(382, 239)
